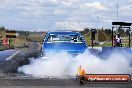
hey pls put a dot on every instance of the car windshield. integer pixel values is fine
(65, 38)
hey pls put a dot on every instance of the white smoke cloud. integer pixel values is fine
(63, 64)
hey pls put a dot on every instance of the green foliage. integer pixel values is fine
(127, 32)
(121, 31)
(2, 28)
(86, 30)
(102, 36)
(108, 33)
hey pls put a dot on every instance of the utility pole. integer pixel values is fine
(117, 11)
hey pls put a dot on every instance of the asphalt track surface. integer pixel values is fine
(24, 81)
(15, 80)
(7, 54)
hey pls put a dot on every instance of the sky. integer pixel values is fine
(49, 15)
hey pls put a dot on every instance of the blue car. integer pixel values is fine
(71, 42)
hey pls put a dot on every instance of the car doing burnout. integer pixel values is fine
(71, 42)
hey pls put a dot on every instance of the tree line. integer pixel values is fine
(102, 34)
(106, 34)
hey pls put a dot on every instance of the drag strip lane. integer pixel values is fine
(13, 55)
(56, 82)
(7, 54)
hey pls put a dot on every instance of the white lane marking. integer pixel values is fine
(39, 46)
(12, 55)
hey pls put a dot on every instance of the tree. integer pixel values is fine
(127, 32)
(121, 31)
(108, 33)
(102, 36)
(2, 28)
(86, 30)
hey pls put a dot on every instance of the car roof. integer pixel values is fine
(63, 32)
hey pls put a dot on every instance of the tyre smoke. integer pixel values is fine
(63, 64)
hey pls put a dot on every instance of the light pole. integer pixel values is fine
(117, 11)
